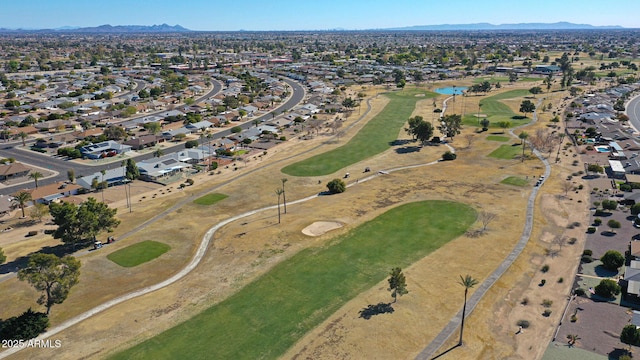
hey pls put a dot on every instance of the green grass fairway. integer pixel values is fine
(497, 111)
(515, 180)
(210, 199)
(375, 137)
(139, 253)
(498, 138)
(268, 316)
(506, 152)
(501, 79)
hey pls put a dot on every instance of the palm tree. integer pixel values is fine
(23, 135)
(22, 198)
(468, 282)
(35, 176)
(102, 185)
(279, 192)
(284, 196)
(523, 137)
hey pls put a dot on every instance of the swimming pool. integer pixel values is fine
(458, 90)
(602, 149)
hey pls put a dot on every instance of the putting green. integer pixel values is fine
(375, 137)
(268, 316)
(139, 253)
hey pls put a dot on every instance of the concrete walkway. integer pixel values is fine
(478, 294)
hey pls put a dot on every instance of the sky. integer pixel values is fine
(229, 15)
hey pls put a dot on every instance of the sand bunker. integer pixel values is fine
(421, 95)
(320, 227)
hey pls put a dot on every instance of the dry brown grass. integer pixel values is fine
(247, 248)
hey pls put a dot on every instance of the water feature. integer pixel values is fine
(451, 90)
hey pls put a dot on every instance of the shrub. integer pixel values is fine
(545, 268)
(525, 301)
(579, 292)
(336, 186)
(572, 241)
(189, 181)
(588, 252)
(614, 224)
(449, 156)
(542, 282)
(547, 303)
(612, 260)
(609, 204)
(586, 259)
(597, 221)
(591, 230)
(574, 318)
(524, 323)
(546, 313)
(560, 280)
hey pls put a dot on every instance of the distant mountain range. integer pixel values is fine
(520, 26)
(119, 29)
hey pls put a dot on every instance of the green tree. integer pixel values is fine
(22, 198)
(158, 152)
(115, 132)
(504, 125)
(71, 175)
(336, 186)
(635, 209)
(153, 127)
(527, 106)
(36, 175)
(3, 257)
(535, 90)
(595, 168)
(397, 283)
(132, 172)
(236, 129)
(609, 204)
(630, 335)
(450, 125)
(77, 224)
(612, 260)
(485, 124)
(607, 288)
(23, 135)
(53, 275)
(523, 137)
(468, 282)
(39, 211)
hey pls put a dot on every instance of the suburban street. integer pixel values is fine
(633, 111)
(61, 166)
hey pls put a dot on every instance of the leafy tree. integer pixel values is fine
(612, 260)
(36, 175)
(24, 327)
(22, 198)
(193, 144)
(613, 224)
(635, 209)
(468, 282)
(607, 288)
(630, 335)
(450, 125)
(397, 283)
(609, 204)
(3, 257)
(158, 152)
(76, 224)
(71, 175)
(595, 168)
(349, 103)
(236, 129)
(336, 186)
(39, 211)
(527, 106)
(449, 156)
(153, 127)
(132, 172)
(420, 129)
(485, 124)
(504, 125)
(115, 132)
(536, 90)
(53, 275)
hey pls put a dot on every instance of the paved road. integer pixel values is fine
(61, 166)
(633, 112)
(474, 299)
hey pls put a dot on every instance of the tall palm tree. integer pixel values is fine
(468, 282)
(102, 185)
(23, 135)
(284, 196)
(279, 192)
(523, 137)
(22, 198)
(35, 176)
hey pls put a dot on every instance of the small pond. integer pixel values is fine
(451, 90)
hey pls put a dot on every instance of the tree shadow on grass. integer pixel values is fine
(408, 149)
(399, 142)
(20, 262)
(616, 353)
(601, 271)
(372, 310)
